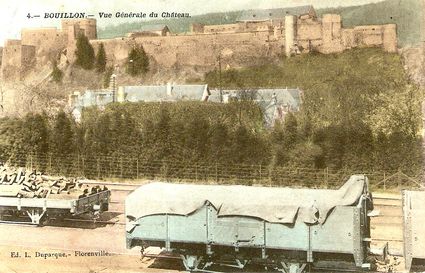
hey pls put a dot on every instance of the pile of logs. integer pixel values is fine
(16, 182)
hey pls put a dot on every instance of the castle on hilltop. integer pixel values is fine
(257, 35)
(38, 46)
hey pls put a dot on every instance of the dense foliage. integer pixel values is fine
(359, 107)
(107, 76)
(101, 59)
(189, 131)
(84, 53)
(137, 61)
(359, 112)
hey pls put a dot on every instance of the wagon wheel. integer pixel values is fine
(194, 263)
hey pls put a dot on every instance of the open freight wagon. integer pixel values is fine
(282, 229)
(41, 198)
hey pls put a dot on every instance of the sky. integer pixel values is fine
(13, 13)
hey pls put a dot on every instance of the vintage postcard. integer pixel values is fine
(212, 136)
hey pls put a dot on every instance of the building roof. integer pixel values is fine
(269, 14)
(146, 93)
(264, 96)
(167, 92)
(272, 101)
(94, 98)
(158, 27)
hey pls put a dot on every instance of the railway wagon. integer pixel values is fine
(40, 210)
(282, 229)
(414, 229)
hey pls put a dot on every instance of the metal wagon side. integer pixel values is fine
(414, 228)
(204, 237)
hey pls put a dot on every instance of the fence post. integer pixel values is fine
(216, 172)
(399, 178)
(196, 173)
(98, 168)
(261, 175)
(121, 168)
(137, 167)
(326, 176)
(385, 182)
(270, 176)
(78, 171)
(50, 163)
(82, 168)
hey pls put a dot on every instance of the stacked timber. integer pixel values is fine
(18, 182)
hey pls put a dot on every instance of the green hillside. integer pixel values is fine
(405, 13)
(352, 100)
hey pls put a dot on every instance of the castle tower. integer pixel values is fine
(73, 28)
(389, 38)
(87, 26)
(331, 31)
(290, 33)
(17, 60)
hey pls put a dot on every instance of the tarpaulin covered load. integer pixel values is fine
(275, 205)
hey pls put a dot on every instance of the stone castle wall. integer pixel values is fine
(233, 49)
(241, 43)
(236, 45)
(49, 43)
(17, 59)
(325, 35)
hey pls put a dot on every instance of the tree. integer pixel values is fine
(62, 137)
(101, 59)
(57, 74)
(107, 76)
(85, 57)
(35, 138)
(284, 137)
(219, 142)
(137, 61)
(241, 145)
(305, 154)
(195, 136)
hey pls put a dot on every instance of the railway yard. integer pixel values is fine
(82, 245)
